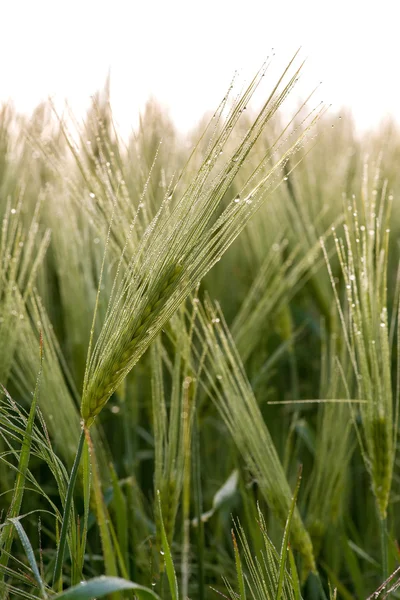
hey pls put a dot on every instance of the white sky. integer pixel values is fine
(185, 52)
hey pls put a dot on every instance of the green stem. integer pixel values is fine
(384, 547)
(199, 509)
(67, 510)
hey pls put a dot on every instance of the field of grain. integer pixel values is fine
(199, 353)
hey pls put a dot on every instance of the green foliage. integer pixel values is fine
(102, 586)
(204, 314)
(268, 577)
(364, 262)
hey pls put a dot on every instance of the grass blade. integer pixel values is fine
(67, 511)
(101, 586)
(103, 520)
(7, 534)
(169, 565)
(30, 554)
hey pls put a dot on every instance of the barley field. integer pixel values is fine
(200, 353)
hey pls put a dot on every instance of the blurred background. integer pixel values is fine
(185, 53)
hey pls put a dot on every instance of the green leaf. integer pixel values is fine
(103, 520)
(121, 515)
(306, 433)
(169, 565)
(7, 534)
(295, 577)
(30, 554)
(225, 493)
(362, 554)
(57, 579)
(87, 479)
(101, 586)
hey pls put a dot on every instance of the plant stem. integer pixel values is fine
(186, 492)
(384, 548)
(67, 510)
(199, 509)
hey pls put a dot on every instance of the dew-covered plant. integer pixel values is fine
(21, 253)
(187, 236)
(192, 412)
(369, 331)
(228, 385)
(334, 444)
(268, 577)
